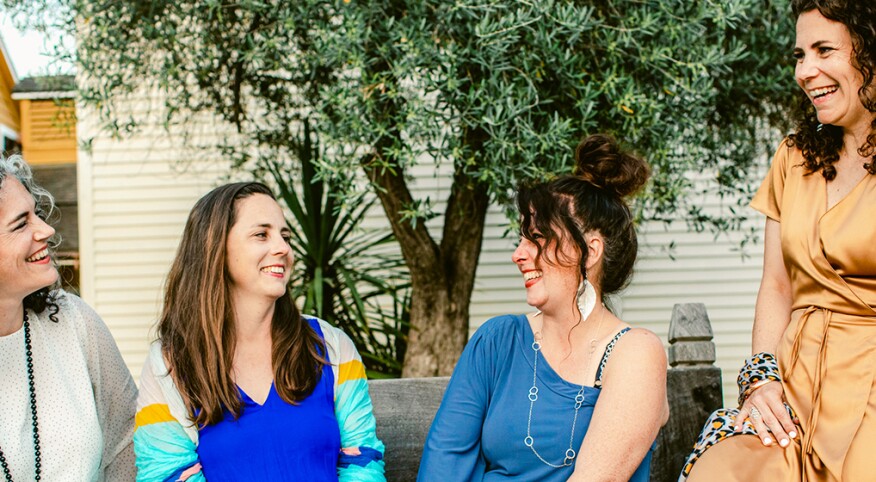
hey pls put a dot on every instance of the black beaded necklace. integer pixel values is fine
(33, 409)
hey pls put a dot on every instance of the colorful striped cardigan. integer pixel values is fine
(166, 440)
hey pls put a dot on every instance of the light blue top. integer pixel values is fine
(479, 430)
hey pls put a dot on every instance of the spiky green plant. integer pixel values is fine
(345, 274)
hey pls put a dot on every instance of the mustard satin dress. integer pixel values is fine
(827, 355)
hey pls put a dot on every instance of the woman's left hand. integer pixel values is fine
(766, 410)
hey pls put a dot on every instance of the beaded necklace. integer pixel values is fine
(33, 409)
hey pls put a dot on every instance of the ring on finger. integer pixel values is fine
(754, 413)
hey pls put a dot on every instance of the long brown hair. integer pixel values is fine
(197, 326)
(821, 144)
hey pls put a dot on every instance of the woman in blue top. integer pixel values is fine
(240, 386)
(536, 397)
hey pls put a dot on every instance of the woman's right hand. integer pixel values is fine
(768, 401)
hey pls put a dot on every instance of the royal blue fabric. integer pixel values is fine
(277, 440)
(479, 429)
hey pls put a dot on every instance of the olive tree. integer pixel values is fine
(497, 91)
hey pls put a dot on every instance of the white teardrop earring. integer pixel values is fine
(586, 298)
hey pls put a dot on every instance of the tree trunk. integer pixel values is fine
(442, 277)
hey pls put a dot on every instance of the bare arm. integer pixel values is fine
(772, 314)
(631, 409)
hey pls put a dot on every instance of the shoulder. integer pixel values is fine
(72, 309)
(155, 361)
(332, 334)
(788, 155)
(635, 377)
(500, 326)
(339, 345)
(493, 340)
(639, 349)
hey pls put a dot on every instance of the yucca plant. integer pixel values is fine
(350, 276)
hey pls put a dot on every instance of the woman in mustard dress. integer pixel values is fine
(807, 395)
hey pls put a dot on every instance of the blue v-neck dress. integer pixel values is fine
(479, 430)
(276, 440)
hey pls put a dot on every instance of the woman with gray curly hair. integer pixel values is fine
(67, 397)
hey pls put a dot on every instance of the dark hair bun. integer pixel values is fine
(601, 161)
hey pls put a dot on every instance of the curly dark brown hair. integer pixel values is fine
(591, 199)
(821, 144)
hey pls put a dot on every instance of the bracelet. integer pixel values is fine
(754, 386)
(759, 369)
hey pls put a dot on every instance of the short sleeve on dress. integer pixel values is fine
(768, 199)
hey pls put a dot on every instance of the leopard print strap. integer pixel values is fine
(608, 348)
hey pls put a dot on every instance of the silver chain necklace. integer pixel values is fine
(529, 441)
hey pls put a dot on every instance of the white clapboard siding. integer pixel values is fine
(135, 195)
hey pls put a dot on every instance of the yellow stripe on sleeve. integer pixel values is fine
(155, 413)
(351, 370)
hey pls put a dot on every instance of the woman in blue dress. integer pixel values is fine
(569, 392)
(239, 385)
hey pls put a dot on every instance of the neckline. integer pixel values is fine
(553, 380)
(852, 192)
(248, 401)
(19, 332)
(15, 335)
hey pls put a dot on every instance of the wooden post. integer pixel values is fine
(693, 386)
(690, 336)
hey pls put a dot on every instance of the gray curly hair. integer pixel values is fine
(15, 166)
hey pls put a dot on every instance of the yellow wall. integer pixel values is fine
(8, 109)
(48, 131)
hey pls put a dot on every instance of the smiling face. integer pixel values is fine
(258, 255)
(551, 284)
(25, 264)
(825, 72)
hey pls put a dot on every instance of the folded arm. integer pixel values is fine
(165, 451)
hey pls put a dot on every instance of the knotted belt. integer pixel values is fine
(819, 370)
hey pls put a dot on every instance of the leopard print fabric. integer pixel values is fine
(757, 369)
(719, 426)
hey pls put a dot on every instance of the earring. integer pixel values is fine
(819, 127)
(586, 298)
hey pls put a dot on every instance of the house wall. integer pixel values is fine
(135, 195)
(9, 115)
(48, 131)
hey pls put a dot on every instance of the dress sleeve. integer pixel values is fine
(164, 447)
(768, 199)
(453, 446)
(361, 457)
(115, 394)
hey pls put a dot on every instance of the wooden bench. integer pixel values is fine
(404, 408)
